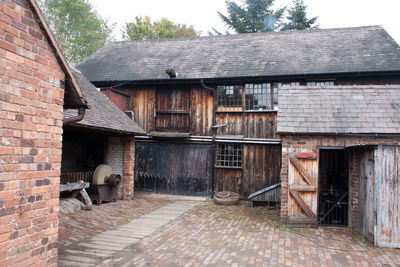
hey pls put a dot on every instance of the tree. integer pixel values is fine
(297, 18)
(144, 29)
(77, 27)
(253, 16)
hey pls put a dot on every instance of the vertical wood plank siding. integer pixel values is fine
(367, 194)
(261, 168)
(173, 168)
(201, 112)
(388, 199)
(168, 101)
(247, 124)
(154, 111)
(199, 102)
(142, 104)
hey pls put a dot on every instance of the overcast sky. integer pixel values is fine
(202, 14)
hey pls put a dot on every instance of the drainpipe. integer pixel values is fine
(81, 114)
(214, 131)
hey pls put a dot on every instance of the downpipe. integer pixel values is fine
(81, 114)
(213, 130)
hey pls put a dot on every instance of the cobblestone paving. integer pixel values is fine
(210, 235)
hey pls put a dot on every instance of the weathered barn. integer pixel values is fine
(35, 85)
(210, 104)
(104, 136)
(340, 158)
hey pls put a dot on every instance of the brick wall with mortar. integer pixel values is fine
(31, 113)
(119, 154)
(297, 143)
(129, 166)
(114, 156)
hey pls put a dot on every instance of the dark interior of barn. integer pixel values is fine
(333, 187)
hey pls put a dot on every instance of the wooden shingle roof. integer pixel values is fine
(329, 51)
(339, 110)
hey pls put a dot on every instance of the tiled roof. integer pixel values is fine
(103, 114)
(362, 49)
(340, 110)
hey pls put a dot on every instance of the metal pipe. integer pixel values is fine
(81, 114)
(213, 130)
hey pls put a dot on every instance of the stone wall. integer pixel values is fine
(31, 113)
(312, 142)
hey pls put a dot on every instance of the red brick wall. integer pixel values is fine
(311, 142)
(31, 105)
(129, 165)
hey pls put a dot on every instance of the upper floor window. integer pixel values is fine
(230, 96)
(258, 96)
(250, 96)
(320, 83)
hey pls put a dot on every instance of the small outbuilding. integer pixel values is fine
(104, 136)
(341, 158)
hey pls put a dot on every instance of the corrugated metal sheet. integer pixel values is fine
(269, 194)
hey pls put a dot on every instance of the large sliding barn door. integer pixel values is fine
(302, 187)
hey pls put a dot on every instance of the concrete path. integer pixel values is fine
(99, 248)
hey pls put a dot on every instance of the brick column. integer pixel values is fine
(284, 182)
(129, 165)
(353, 188)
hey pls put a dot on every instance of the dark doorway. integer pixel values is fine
(333, 187)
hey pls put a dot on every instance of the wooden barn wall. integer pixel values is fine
(142, 103)
(387, 170)
(201, 111)
(367, 194)
(198, 122)
(261, 168)
(172, 109)
(174, 168)
(248, 124)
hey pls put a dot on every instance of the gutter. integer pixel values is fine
(81, 114)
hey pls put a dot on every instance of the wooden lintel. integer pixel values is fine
(302, 204)
(304, 173)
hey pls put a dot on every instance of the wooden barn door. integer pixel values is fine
(387, 171)
(302, 187)
(172, 110)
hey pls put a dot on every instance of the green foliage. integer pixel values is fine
(253, 16)
(77, 27)
(144, 29)
(297, 18)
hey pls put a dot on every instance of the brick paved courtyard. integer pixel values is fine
(210, 235)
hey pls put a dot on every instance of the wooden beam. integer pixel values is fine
(304, 173)
(73, 186)
(302, 204)
(303, 188)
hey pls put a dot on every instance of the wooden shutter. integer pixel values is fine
(172, 110)
(302, 188)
